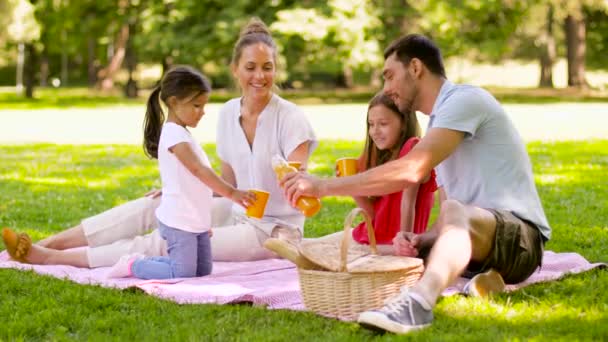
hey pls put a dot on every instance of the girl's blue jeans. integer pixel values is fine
(189, 256)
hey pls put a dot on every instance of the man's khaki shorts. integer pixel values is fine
(517, 251)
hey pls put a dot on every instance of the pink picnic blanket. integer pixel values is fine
(271, 283)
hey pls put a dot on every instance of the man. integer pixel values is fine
(492, 220)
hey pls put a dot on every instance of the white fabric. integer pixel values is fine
(281, 127)
(491, 167)
(132, 228)
(186, 201)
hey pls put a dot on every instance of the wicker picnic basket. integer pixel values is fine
(355, 278)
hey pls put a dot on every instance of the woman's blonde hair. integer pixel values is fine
(254, 32)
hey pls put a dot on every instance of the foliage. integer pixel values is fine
(46, 188)
(337, 35)
(597, 37)
(19, 24)
(328, 42)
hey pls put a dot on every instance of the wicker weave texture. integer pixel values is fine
(344, 295)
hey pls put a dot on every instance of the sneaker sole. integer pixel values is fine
(378, 320)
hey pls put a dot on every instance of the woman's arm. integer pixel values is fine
(300, 154)
(408, 208)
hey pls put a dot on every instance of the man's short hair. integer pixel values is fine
(417, 46)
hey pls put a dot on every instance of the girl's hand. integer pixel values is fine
(243, 198)
(406, 244)
(153, 193)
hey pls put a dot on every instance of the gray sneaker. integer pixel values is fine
(400, 315)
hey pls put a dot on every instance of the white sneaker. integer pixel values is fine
(122, 268)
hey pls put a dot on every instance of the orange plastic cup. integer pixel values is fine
(347, 166)
(295, 164)
(257, 208)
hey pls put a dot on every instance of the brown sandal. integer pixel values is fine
(18, 245)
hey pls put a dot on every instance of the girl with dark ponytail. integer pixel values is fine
(184, 214)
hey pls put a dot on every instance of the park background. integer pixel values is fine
(74, 76)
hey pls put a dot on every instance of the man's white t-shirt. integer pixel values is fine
(186, 201)
(490, 168)
(281, 128)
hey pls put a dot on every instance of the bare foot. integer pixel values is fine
(38, 255)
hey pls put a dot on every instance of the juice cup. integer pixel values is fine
(347, 166)
(256, 209)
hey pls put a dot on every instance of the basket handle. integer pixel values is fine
(348, 221)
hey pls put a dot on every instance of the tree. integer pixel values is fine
(23, 29)
(480, 30)
(574, 26)
(339, 34)
(548, 52)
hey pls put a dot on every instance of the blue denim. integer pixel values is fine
(189, 256)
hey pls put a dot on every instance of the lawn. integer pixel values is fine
(82, 97)
(45, 188)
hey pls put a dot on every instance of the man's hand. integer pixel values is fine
(406, 244)
(153, 193)
(298, 184)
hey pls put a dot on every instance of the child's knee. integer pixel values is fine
(204, 269)
(183, 271)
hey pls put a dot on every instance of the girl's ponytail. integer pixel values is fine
(153, 123)
(181, 82)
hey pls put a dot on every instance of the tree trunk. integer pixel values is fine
(20, 61)
(64, 60)
(44, 69)
(575, 44)
(167, 64)
(106, 75)
(348, 76)
(131, 63)
(91, 68)
(548, 54)
(29, 71)
(375, 80)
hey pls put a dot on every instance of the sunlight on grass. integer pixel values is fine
(46, 188)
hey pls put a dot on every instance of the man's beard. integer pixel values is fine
(407, 103)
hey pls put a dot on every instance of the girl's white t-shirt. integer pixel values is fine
(186, 201)
(281, 128)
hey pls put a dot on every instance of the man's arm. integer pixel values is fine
(394, 176)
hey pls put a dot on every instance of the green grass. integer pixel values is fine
(46, 188)
(90, 98)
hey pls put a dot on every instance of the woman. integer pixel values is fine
(251, 129)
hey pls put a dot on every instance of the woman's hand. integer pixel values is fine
(243, 198)
(406, 244)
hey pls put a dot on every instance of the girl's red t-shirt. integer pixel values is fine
(387, 209)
